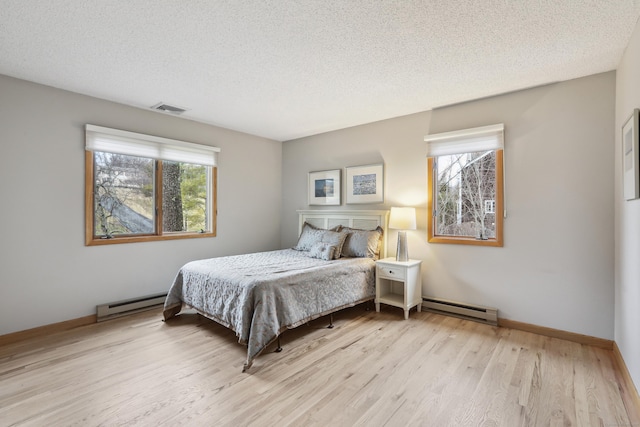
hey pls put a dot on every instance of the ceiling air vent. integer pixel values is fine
(169, 108)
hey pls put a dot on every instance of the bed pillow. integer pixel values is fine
(362, 243)
(335, 239)
(322, 250)
(311, 234)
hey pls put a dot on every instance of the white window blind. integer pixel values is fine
(472, 140)
(466, 141)
(153, 147)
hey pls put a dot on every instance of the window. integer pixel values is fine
(465, 194)
(142, 188)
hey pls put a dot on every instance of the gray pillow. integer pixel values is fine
(310, 234)
(322, 250)
(362, 243)
(336, 239)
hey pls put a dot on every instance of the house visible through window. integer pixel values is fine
(141, 187)
(490, 206)
(466, 186)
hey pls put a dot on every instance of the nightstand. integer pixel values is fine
(398, 283)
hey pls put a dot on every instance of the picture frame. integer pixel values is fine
(365, 184)
(630, 157)
(324, 187)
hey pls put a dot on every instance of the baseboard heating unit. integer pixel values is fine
(129, 306)
(465, 311)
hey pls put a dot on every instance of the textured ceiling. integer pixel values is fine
(285, 69)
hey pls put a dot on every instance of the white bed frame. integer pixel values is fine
(362, 219)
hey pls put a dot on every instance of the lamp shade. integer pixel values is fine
(402, 219)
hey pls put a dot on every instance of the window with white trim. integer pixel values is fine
(490, 206)
(142, 187)
(465, 186)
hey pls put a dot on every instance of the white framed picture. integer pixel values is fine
(365, 184)
(324, 187)
(630, 156)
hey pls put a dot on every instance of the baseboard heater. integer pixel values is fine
(465, 311)
(129, 306)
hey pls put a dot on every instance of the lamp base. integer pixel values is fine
(402, 252)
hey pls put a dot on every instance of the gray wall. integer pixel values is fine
(47, 275)
(556, 266)
(627, 215)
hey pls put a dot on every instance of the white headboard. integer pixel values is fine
(365, 220)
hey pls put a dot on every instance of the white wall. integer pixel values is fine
(47, 275)
(627, 220)
(556, 266)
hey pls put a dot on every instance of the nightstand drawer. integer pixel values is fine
(390, 272)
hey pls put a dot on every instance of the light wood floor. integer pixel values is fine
(372, 369)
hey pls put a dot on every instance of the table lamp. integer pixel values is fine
(402, 219)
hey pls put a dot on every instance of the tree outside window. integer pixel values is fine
(134, 198)
(466, 187)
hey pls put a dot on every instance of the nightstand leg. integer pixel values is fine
(419, 308)
(406, 315)
(378, 307)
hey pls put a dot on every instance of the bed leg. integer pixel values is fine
(279, 349)
(330, 322)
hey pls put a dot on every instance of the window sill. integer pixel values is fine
(465, 241)
(149, 238)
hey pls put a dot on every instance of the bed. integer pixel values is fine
(260, 295)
